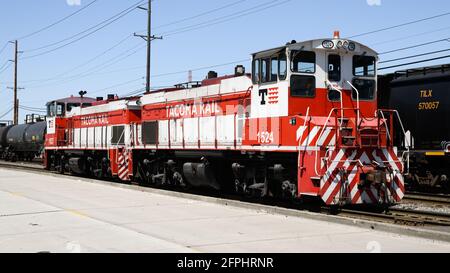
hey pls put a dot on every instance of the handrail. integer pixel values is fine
(340, 93)
(326, 122)
(401, 124)
(357, 102)
(320, 136)
(385, 124)
(304, 126)
(407, 142)
(306, 117)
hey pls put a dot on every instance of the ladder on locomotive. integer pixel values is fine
(347, 134)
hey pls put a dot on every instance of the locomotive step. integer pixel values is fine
(346, 128)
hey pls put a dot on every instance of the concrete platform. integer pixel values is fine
(40, 212)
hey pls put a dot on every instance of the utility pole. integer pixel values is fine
(16, 103)
(149, 38)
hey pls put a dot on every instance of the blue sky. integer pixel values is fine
(243, 27)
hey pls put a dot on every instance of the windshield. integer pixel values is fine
(303, 62)
(364, 66)
(54, 109)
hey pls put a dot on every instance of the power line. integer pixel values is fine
(1, 71)
(400, 25)
(5, 114)
(4, 47)
(200, 14)
(417, 62)
(83, 64)
(32, 108)
(135, 92)
(4, 65)
(86, 30)
(227, 18)
(415, 46)
(93, 70)
(171, 73)
(117, 85)
(411, 36)
(57, 22)
(109, 22)
(415, 56)
(110, 62)
(202, 68)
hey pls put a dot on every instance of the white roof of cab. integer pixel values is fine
(317, 44)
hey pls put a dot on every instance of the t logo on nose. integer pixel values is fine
(263, 93)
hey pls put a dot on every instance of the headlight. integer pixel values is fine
(339, 45)
(345, 44)
(351, 46)
(328, 44)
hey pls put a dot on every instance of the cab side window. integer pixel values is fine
(282, 67)
(303, 86)
(270, 69)
(274, 70)
(303, 62)
(264, 70)
(256, 73)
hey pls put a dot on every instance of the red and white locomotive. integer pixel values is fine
(304, 123)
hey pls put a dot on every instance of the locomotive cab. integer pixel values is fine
(59, 108)
(319, 74)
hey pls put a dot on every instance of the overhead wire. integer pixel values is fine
(109, 22)
(93, 70)
(5, 114)
(200, 14)
(415, 46)
(4, 69)
(4, 47)
(57, 22)
(416, 62)
(415, 56)
(83, 64)
(226, 18)
(400, 25)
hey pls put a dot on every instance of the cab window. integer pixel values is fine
(72, 105)
(274, 70)
(366, 89)
(303, 62)
(282, 67)
(303, 86)
(334, 68)
(55, 109)
(264, 70)
(364, 66)
(256, 71)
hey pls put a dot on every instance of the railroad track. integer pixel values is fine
(436, 199)
(399, 216)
